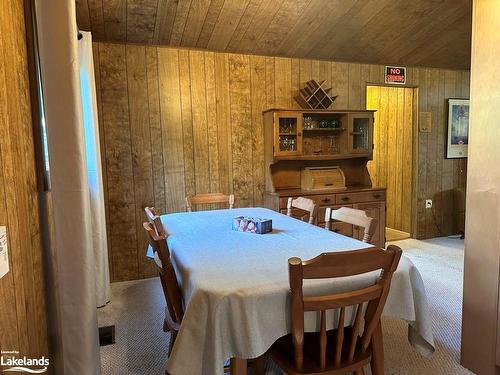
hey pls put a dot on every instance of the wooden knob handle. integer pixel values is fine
(326, 200)
(345, 199)
(377, 196)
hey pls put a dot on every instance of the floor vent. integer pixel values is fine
(106, 335)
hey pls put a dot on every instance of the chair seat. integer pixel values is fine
(282, 353)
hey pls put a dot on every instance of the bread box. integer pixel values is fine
(322, 178)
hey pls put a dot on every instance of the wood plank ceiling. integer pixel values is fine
(430, 33)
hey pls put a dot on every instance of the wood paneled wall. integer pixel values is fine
(23, 324)
(178, 121)
(392, 164)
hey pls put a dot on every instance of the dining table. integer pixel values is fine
(236, 290)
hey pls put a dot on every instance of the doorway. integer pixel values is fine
(393, 165)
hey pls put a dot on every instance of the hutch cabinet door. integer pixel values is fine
(360, 133)
(288, 133)
(375, 210)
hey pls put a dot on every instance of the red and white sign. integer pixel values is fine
(395, 75)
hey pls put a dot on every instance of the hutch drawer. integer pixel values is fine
(322, 200)
(360, 197)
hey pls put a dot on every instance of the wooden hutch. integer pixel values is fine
(322, 155)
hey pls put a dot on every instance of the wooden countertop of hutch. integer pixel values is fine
(350, 189)
(321, 157)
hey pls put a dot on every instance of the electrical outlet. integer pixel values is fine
(428, 203)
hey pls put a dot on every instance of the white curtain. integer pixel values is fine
(78, 344)
(94, 173)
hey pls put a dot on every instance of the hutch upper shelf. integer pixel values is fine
(319, 134)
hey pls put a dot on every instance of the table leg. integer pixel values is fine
(238, 366)
(377, 363)
(259, 365)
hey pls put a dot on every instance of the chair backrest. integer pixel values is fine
(155, 219)
(304, 204)
(341, 264)
(209, 198)
(150, 213)
(354, 217)
(171, 289)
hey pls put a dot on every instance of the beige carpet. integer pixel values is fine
(137, 312)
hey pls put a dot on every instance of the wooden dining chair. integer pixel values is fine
(354, 217)
(171, 290)
(209, 198)
(155, 219)
(345, 348)
(306, 205)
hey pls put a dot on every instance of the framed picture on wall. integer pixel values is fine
(458, 128)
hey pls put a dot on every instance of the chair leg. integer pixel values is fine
(377, 362)
(166, 328)
(259, 365)
(238, 366)
(173, 336)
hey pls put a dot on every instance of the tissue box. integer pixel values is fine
(252, 225)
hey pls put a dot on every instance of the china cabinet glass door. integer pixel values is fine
(288, 127)
(360, 134)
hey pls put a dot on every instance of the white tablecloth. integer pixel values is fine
(236, 286)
